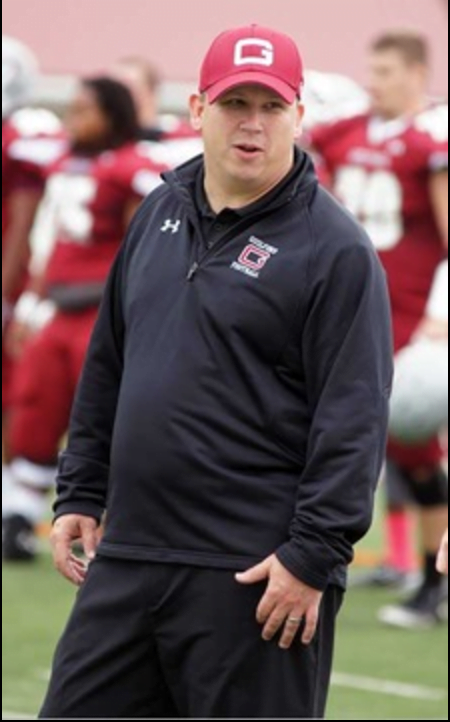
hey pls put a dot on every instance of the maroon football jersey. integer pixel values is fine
(88, 198)
(381, 172)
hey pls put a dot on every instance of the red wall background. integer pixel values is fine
(87, 35)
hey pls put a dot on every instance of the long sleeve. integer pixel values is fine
(82, 481)
(347, 356)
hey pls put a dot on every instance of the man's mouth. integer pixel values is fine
(249, 148)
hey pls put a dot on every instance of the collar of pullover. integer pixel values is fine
(300, 184)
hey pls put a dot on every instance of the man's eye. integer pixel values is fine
(234, 103)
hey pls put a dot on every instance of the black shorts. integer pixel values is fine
(155, 641)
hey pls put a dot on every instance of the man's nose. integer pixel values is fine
(252, 122)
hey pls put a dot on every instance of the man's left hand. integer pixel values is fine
(287, 603)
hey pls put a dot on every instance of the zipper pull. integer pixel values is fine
(192, 271)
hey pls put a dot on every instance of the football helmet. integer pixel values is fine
(419, 404)
(19, 73)
(330, 97)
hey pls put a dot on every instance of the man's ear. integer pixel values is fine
(299, 125)
(196, 107)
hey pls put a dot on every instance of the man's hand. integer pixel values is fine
(66, 531)
(287, 602)
(442, 562)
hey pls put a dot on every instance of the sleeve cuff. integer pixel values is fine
(80, 509)
(304, 570)
(82, 486)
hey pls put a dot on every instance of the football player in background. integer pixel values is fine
(168, 137)
(144, 81)
(390, 168)
(25, 132)
(436, 329)
(331, 97)
(419, 402)
(94, 190)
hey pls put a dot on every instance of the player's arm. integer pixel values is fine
(433, 127)
(434, 325)
(439, 198)
(33, 309)
(23, 205)
(31, 313)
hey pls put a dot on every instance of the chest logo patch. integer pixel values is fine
(254, 258)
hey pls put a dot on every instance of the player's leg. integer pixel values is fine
(399, 524)
(42, 396)
(398, 566)
(106, 664)
(428, 484)
(7, 369)
(7, 374)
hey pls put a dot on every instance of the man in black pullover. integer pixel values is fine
(231, 422)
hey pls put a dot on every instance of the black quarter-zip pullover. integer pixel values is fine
(234, 401)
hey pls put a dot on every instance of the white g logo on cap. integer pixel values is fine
(266, 57)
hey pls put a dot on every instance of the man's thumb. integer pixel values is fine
(255, 574)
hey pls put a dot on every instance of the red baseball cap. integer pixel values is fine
(252, 55)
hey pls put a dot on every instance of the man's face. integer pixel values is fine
(249, 134)
(394, 84)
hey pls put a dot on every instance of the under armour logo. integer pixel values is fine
(169, 225)
(253, 51)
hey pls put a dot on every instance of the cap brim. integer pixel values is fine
(285, 91)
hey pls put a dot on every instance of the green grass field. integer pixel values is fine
(403, 675)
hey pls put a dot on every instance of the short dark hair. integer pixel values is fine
(117, 103)
(412, 45)
(149, 71)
